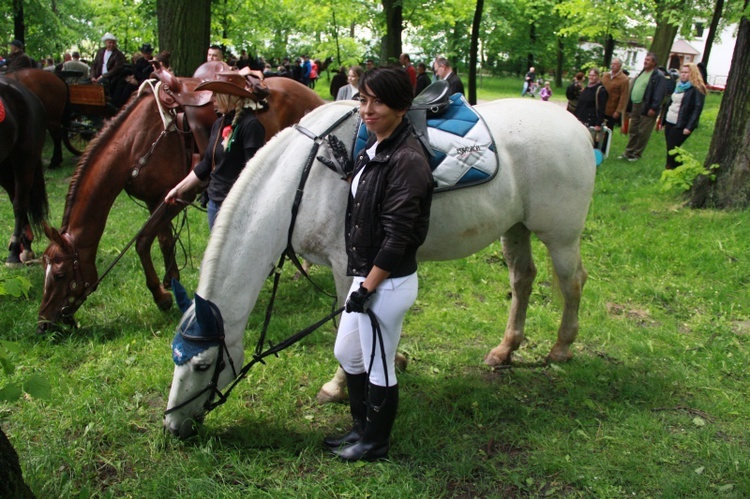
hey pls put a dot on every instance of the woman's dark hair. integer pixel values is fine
(390, 84)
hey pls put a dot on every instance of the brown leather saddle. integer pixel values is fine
(192, 110)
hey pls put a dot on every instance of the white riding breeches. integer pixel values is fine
(354, 341)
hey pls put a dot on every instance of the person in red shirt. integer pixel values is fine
(405, 61)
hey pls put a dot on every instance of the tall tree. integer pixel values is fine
(394, 23)
(730, 144)
(473, 63)
(718, 9)
(177, 18)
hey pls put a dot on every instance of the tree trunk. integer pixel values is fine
(718, 9)
(19, 23)
(609, 50)
(11, 476)
(176, 18)
(476, 26)
(532, 43)
(560, 62)
(730, 144)
(666, 30)
(394, 22)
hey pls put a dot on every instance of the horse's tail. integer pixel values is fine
(38, 210)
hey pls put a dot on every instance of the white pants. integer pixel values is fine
(354, 342)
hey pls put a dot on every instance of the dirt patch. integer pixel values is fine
(640, 316)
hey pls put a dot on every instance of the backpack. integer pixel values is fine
(573, 91)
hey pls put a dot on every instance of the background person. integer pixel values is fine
(591, 104)
(235, 138)
(546, 92)
(351, 90)
(76, 64)
(573, 92)
(17, 59)
(646, 97)
(683, 111)
(618, 88)
(214, 54)
(108, 63)
(387, 218)
(445, 72)
(423, 79)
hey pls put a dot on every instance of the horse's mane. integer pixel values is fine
(111, 127)
(250, 175)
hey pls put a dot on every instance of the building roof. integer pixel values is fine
(683, 47)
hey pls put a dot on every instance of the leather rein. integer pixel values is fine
(290, 254)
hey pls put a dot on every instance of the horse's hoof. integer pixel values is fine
(559, 356)
(13, 263)
(401, 362)
(495, 359)
(326, 397)
(27, 256)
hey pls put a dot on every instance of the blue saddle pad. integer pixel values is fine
(463, 150)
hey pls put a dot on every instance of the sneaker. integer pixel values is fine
(633, 159)
(623, 156)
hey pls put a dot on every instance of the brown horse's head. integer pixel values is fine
(67, 281)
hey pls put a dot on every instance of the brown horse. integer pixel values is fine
(53, 92)
(132, 153)
(21, 175)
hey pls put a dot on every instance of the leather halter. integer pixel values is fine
(80, 288)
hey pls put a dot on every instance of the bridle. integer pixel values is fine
(260, 354)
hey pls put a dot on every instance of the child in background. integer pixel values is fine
(546, 92)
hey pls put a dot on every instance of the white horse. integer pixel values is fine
(544, 185)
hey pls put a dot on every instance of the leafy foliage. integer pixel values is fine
(681, 179)
(15, 286)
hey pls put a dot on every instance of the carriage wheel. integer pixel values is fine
(79, 134)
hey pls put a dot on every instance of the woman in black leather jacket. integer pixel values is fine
(682, 112)
(387, 219)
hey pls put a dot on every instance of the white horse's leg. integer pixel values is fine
(572, 276)
(335, 390)
(517, 252)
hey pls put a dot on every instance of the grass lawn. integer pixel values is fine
(654, 403)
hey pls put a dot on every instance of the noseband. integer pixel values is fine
(80, 288)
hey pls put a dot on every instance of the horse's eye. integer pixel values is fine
(201, 367)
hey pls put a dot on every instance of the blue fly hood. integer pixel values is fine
(201, 328)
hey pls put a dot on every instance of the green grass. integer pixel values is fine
(654, 403)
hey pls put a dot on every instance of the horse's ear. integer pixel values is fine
(52, 234)
(181, 296)
(203, 314)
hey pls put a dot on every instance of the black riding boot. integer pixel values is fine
(356, 384)
(381, 414)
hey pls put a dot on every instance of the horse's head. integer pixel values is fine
(67, 281)
(203, 364)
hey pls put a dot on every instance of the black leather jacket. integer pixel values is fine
(655, 92)
(690, 109)
(388, 219)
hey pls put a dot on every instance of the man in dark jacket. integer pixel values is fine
(646, 96)
(445, 72)
(17, 59)
(423, 79)
(109, 61)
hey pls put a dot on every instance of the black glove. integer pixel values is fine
(341, 162)
(359, 300)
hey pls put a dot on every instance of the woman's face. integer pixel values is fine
(225, 103)
(353, 79)
(378, 117)
(684, 74)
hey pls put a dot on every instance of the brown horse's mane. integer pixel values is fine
(111, 126)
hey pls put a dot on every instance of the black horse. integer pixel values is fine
(22, 133)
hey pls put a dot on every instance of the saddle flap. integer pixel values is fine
(434, 99)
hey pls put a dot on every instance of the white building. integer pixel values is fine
(690, 51)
